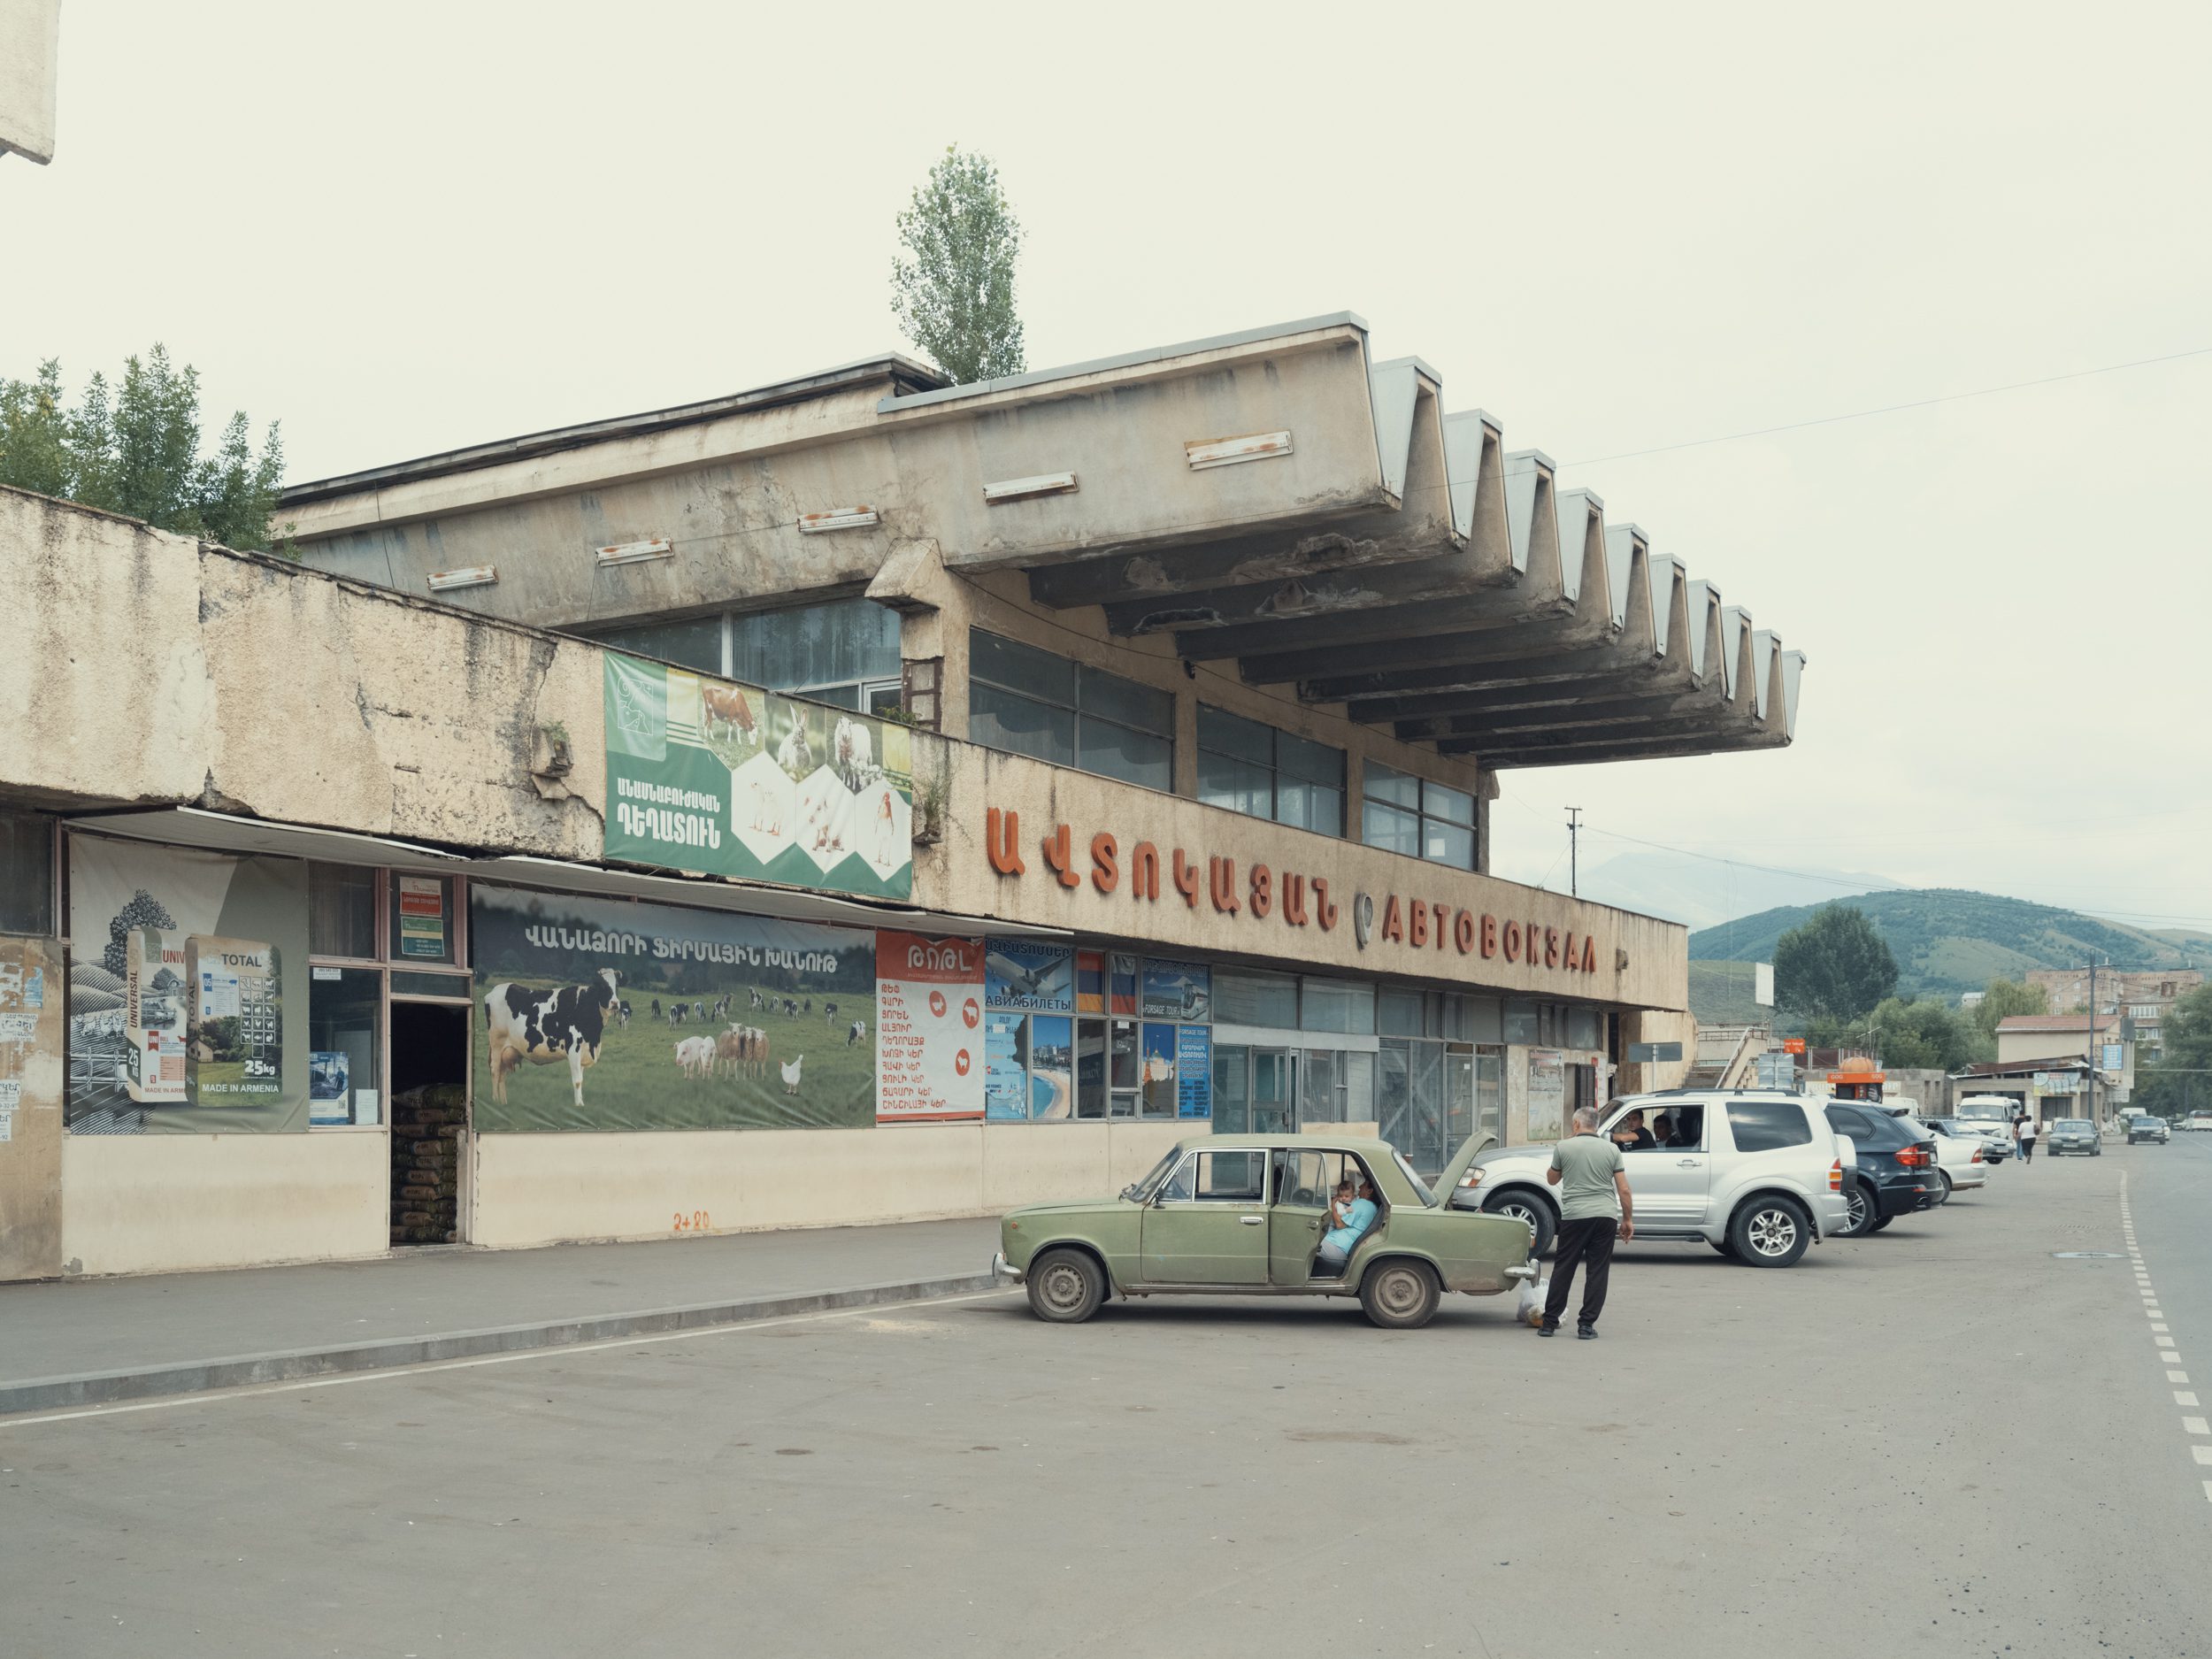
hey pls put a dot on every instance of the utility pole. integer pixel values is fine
(2096, 1052)
(1574, 871)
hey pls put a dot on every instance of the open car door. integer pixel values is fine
(1470, 1149)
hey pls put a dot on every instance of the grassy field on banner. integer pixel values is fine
(638, 1083)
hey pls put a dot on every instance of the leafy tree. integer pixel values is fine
(952, 290)
(1929, 1033)
(135, 449)
(2178, 1082)
(143, 911)
(2004, 998)
(1834, 965)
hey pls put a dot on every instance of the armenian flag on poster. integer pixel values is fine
(723, 779)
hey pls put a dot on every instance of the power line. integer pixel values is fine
(1892, 409)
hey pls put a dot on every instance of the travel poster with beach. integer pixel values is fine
(717, 779)
(929, 1028)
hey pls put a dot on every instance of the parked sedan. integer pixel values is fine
(1245, 1216)
(2075, 1137)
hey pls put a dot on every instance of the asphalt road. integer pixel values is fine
(1942, 1440)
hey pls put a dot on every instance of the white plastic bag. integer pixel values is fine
(1533, 1294)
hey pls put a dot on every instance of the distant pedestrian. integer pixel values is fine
(2027, 1140)
(1594, 1208)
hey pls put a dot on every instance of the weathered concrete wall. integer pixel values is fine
(957, 875)
(168, 1204)
(157, 670)
(547, 1188)
(32, 1047)
(728, 494)
(30, 38)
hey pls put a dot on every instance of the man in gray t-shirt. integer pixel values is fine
(1595, 1207)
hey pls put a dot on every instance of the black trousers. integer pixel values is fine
(1589, 1244)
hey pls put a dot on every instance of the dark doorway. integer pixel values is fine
(430, 1116)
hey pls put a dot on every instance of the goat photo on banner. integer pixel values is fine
(599, 1013)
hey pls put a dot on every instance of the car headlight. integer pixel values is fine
(1473, 1178)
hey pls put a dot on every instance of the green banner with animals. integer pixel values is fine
(607, 1014)
(723, 779)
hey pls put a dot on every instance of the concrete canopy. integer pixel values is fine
(1277, 500)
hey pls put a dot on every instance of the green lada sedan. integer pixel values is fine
(1246, 1215)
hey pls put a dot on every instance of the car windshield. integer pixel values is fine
(1140, 1190)
(1420, 1186)
(1984, 1114)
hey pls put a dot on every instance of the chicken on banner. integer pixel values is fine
(929, 1028)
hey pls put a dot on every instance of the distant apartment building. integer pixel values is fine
(2143, 994)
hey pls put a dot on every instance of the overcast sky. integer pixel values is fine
(402, 228)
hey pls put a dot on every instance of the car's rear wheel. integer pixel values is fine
(1399, 1296)
(1858, 1206)
(1065, 1287)
(1879, 1221)
(1945, 1177)
(1530, 1210)
(1769, 1233)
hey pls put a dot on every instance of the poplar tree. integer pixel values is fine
(952, 286)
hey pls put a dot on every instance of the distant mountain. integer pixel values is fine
(1699, 891)
(1948, 940)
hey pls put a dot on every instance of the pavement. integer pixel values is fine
(71, 1342)
(1957, 1436)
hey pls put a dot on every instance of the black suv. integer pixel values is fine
(1897, 1167)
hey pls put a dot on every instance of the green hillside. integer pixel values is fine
(1948, 940)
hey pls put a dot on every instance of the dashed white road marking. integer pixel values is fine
(2197, 1427)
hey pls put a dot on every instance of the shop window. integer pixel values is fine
(1159, 1070)
(1547, 1023)
(1176, 990)
(345, 1043)
(1520, 1022)
(1033, 702)
(1404, 814)
(26, 873)
(342, 912)
(1400, 1013)
(1343, 1005)
(1263, 772)
(1255, 999)
(421, 922)
(1474, 1018)
(1582, 1027)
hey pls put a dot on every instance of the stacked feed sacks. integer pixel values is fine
(427, 1124)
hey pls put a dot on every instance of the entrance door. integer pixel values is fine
(1321, 1087)
(1274, 1091)
(429, 1121)
(1232, 1091)
(1208, 1223)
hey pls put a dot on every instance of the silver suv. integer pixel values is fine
(1758, 1175)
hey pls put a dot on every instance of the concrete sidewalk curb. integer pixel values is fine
(49, 1394)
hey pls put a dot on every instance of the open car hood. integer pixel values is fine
(1470, 1149)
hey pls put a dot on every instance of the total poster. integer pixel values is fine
(186, 995)
(723, 779)
(603, 1014)
(929, 1033)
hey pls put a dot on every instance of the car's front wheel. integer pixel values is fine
(1769, 1233)
(1065, 1287)
(1399, 1296)
(1532, 1211)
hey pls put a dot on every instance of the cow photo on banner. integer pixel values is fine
(605, 1014)
(185, 966)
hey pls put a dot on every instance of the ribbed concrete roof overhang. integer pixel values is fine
(1278, 501)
